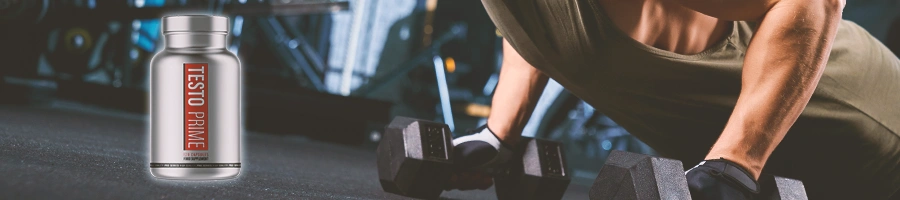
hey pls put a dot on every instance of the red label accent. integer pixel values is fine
(196, 110)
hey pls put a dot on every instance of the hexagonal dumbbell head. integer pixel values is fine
(415, 157)
(540, 174)
(636, 176)
(780, 188)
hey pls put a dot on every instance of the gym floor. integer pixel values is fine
(76, 152)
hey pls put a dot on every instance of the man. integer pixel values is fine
(724, 82)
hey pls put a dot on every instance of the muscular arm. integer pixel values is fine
(518, 90)
(782, 67)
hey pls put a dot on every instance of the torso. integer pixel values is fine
(666, 25)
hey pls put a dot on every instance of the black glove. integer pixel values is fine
(475, 156)
(721, 179)
(480, 150)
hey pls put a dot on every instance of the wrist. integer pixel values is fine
(714, 172)
(754, 167)
(503, 132)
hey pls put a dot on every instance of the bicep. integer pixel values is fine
(754, 10)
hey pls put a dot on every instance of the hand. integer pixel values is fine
(721, 179)
(474, 156)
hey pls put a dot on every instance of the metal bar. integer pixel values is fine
(443, 91)
(551, 92)
(308, 6)
(236, 32)
(275, 34)
(314, 57)
(456, 31)
(301, 61)
(352, 47)
(323, 37)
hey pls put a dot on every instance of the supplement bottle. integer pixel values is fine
(195, 101)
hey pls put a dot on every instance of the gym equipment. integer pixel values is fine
(22, 11)
(415, 159)
(596, 135)
(71, 49)
(540, 174)
(775, 187)
(637, 176)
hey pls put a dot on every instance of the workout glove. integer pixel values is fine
(482, 150)
(475, 157)
(721, 179)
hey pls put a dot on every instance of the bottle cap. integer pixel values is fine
(194, 23)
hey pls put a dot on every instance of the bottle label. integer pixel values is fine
(196, 110)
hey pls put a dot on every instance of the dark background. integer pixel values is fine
(73, 88)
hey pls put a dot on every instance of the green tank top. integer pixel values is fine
(679, 104)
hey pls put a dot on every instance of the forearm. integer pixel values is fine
(782, 67)
(518, 90)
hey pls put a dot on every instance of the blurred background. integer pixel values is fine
(334, 71)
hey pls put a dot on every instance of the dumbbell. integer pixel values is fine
(636, 176)
(415, 159)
